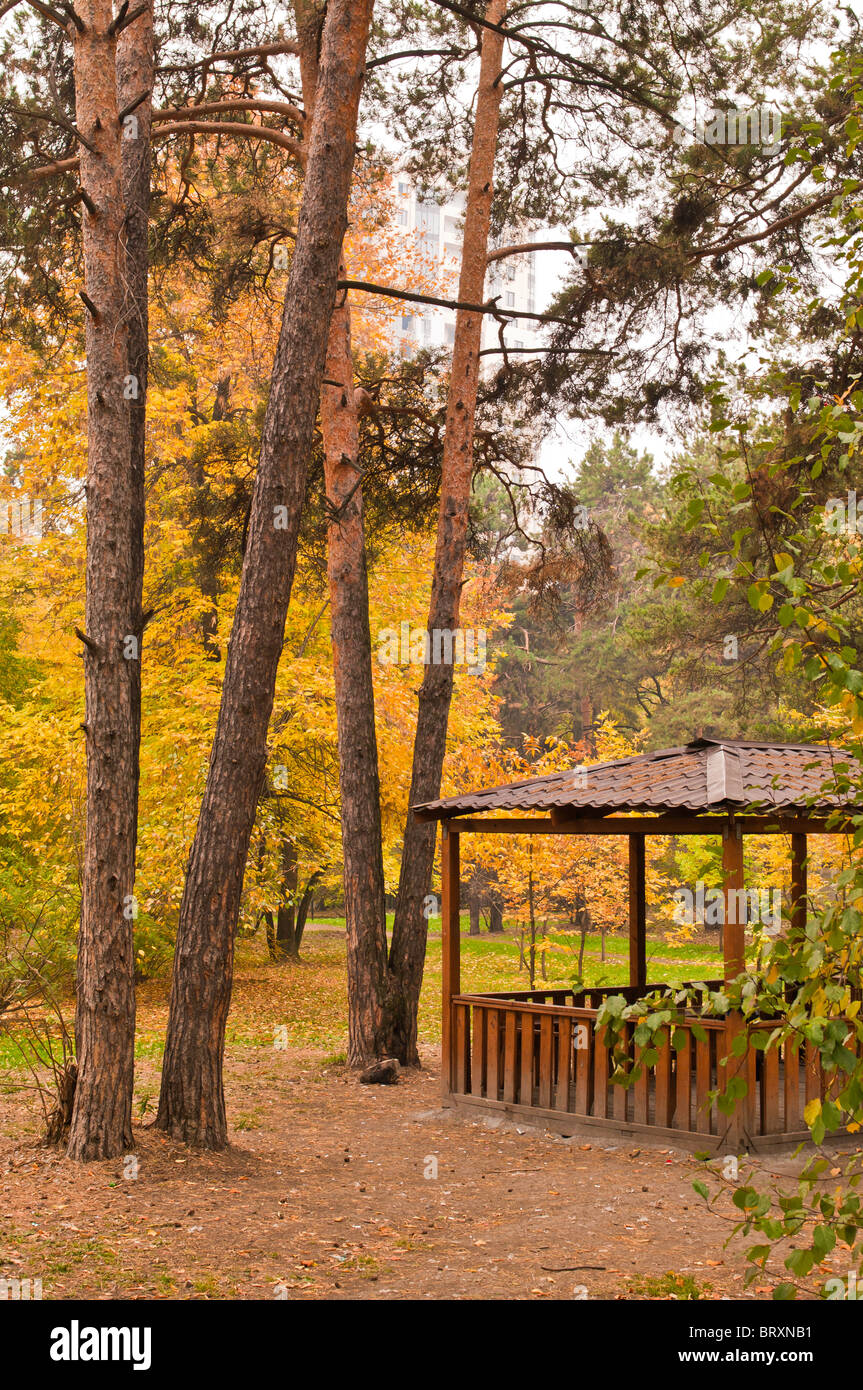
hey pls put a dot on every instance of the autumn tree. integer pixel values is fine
(191, 1105)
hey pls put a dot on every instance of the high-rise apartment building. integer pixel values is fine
(438, 229)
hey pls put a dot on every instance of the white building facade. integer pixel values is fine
(438, 229)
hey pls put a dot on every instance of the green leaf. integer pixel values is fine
(823, 1240)
(785, 616)
(800, 1262)
(745, 1197)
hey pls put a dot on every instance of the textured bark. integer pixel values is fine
(101, 1124)
(209, 538)
(407, 952)
(309, 21)
(191, 1104)
(135, 71)
(362, 844)
(359, 787)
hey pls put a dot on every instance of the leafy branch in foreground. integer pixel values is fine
(778, 537)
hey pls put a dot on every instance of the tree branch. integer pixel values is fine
(133, 106)
(413, 53)
(82, 196)
(94, 312)
(89, 643)
(527, 246)
(491, 307)
(533, 351)
(483, 23)
(47, 11)
(279, 108)
(73, 15)
(719, 248)
(45, 171)
(241, 129)
(125, 17)
(54, 119)
(266, 50)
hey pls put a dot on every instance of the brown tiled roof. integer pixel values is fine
(705, 775)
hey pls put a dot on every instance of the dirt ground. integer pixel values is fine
(336, 1190)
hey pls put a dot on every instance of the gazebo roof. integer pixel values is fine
(703, 776)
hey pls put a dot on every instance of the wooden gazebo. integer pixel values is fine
(537, 1053)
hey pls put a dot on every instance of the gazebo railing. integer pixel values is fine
(590, 996)
(535, 1049)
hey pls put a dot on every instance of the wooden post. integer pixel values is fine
(637, 912)
(732, 869)
(734, 948)
(450, 946)
(799, 886)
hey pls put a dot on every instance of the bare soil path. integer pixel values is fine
(336, 1190)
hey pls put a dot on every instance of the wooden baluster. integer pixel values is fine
(479, 1051)
(749, 1102)
(619, 1093)
(683, 1083)
(791, 1058)
(493, 1057)
(525, 1093)
(702, 1085)
(583, 1066)
(600, 1073)
(771, 1121)
(546, 1060)
(641, 1091)
(564, 1063)
(461, 1078)
(511, 1022)
(663, 1087)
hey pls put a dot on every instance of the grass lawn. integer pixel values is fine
(305, 1005)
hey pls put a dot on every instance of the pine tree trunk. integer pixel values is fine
(101, 1124)
(407, 952)
(208, 537)
(135, 74)
(362, 842)
(191, 1104)
(359, 787)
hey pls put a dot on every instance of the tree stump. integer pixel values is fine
(383, 1073)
